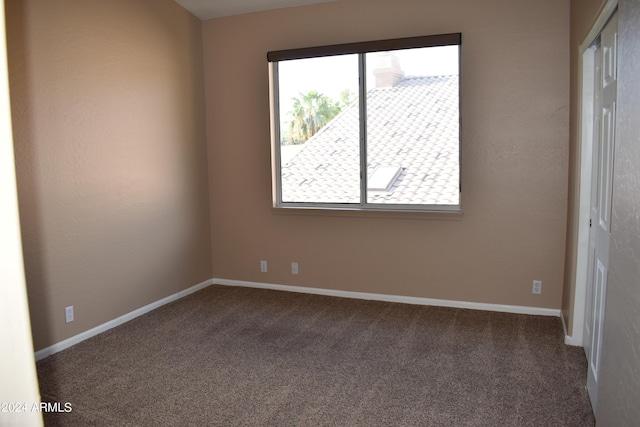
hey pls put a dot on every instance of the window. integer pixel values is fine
(371, 125)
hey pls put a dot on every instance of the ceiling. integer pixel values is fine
(207, 9)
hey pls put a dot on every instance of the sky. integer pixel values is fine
(331, 75)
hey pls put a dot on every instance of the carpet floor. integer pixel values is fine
(230, 356)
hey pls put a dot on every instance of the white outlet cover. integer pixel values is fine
(537, 287)
(68, 314)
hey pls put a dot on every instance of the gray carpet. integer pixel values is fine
(233, 356)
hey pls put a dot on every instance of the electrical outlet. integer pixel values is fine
(263, 266)
(537, 287)
(294, 268)
(68, 314)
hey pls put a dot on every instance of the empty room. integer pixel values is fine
(298, 212)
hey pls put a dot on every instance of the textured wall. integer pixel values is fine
(619, 388)
(515, 108)
(108, 113)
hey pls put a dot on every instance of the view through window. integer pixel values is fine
(369, 129)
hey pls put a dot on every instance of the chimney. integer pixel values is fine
(387, 70)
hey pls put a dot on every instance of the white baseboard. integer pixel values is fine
(395, 298)
(569, 340)
(48, 351)
(538, 311)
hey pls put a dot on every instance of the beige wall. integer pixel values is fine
(515, 115)
(108, 114)
(619, 387)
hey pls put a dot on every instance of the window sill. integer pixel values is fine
(356, 212)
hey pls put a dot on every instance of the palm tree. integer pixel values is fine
(347, 97)
(311, 111)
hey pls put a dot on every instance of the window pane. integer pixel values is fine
(413, 126)
(319, 130)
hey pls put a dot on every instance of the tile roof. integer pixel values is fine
(413, 125)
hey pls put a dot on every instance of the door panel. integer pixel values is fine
(606, 165)
(598, 316)
(605, 94)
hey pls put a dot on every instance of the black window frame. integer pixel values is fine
(360, 48)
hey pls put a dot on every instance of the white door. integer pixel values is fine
(605, 93)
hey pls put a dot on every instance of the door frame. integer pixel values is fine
(584, 149)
